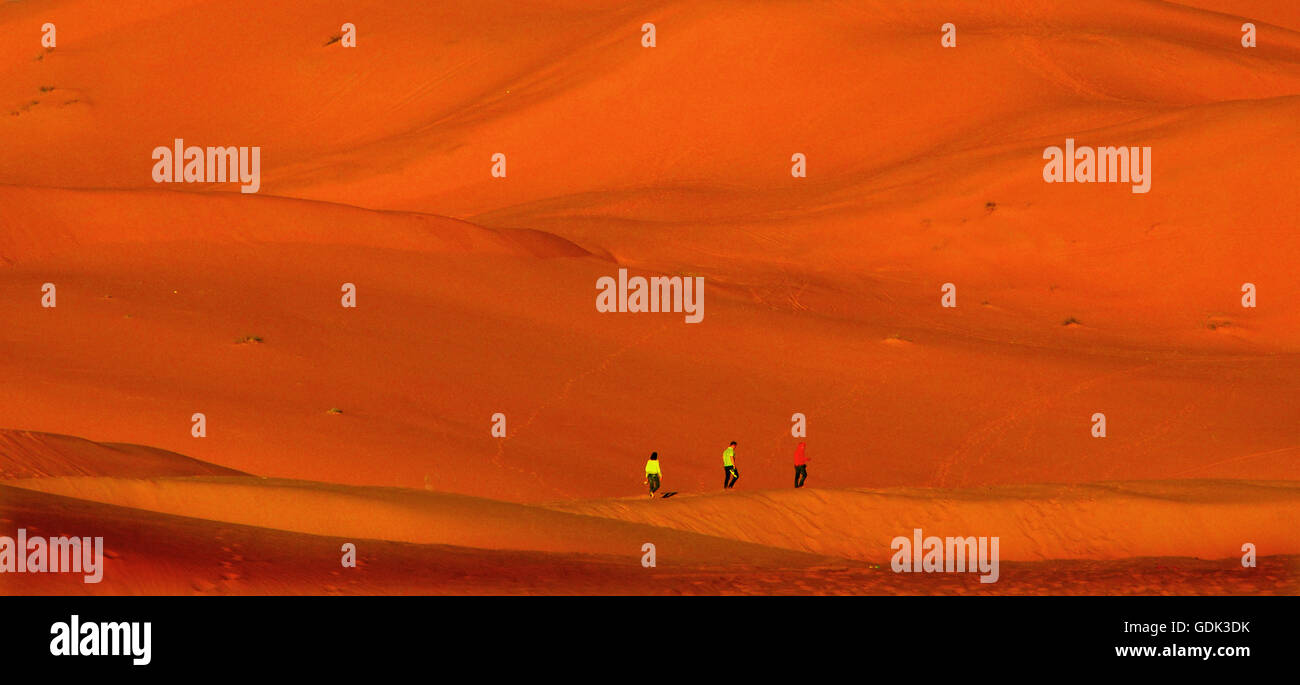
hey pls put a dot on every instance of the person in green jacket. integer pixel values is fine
(730, 474)
(653, 473)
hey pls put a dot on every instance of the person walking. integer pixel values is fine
(800, 466)
(653, 473)
(730, 474)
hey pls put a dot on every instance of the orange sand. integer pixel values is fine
(475, 294)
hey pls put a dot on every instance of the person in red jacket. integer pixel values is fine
(800, 466)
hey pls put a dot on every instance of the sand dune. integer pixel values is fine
(405, 516)
(1203, 519)
(159, 554)
(218, 553)
(475, 294)
(24, 454)
(910, 187)
(151, 553)
(45, 219)
(145, 335)
(399, 123)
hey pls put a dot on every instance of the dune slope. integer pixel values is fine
(475, 293)
(25, 454)
(1203, 519)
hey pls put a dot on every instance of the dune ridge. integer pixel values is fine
(172, 527)
(43, 220)
(31, 454)
(1200, 518)
(151, 553)
(1206, 519)
(401, 516)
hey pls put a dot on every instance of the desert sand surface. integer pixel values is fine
(169, 555)
(183, 530)
(475, 295)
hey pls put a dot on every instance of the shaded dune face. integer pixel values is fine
(475, 294)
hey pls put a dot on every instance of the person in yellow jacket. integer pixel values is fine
(730, 474)
(653, 473)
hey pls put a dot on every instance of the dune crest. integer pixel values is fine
(39, 221)
(30, 454)
(1195, 518)
(411, 516)
(1203, 519)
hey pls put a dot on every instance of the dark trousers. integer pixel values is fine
(800, 475)
(654, 481)
(729, 476)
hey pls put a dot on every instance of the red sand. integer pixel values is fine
(475, 294)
